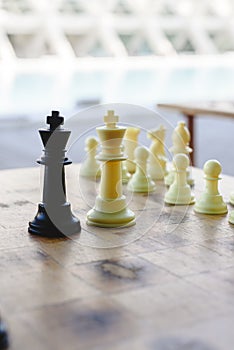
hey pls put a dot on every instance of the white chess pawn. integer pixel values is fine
(180, 139)
(91, 167)
(179, 192)
(157, 159)
(211, 201)
(141, 181)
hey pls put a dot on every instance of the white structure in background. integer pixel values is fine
(75, 28)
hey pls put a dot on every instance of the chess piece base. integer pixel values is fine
(231, 217)
(122, 218)
(181, 197)
(209, 204)
(232, 198)
(4, 341)
(65, 223)
(141, 185)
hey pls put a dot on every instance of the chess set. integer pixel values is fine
(140, 170)
(125, 176)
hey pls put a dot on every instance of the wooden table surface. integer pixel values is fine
(216, 109)
(194, 109)
(165, 284)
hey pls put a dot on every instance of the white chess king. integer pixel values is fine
(110, 208)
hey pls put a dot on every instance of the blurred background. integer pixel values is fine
(68, 55)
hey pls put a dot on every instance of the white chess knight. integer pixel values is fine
(180, 140)
(91, 167)
(211, 201)
(179, 192)
(141, 181)
(157, 159)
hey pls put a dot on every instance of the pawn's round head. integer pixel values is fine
(212, 168)
(91, 142)
(181, 161)
(141, 153)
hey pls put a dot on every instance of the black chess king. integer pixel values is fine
(4, 341)
(54, 217)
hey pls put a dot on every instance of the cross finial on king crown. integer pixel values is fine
(54, 120)
(111, 119)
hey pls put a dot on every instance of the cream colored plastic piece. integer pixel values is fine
(211, 201)
(126, 176)
(231, 217)
(180, 139)
(141, 181)
(179, 192)
(110, 208)
(130, 144)
(91, 167)
(157, 159)
(232, 198)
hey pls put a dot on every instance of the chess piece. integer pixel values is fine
(130, 144)
(141, 181)
(231, 217)
(180, 140)
(4, 341)
(126, 176)
(54, 217)
(232, 198)
(157, 158)
(211, 201)
(179, 192)
(90, 167)
(110, 208)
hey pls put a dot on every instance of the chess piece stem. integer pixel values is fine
(180, 139)
(130, 144)
(157, 159)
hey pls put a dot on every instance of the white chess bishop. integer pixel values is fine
(141, 181)
(157, 159)
(179, 192)
(211, 201)
(110, 208)
(180, 140)
(91, 167)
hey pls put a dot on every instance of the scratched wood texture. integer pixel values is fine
(165, 284)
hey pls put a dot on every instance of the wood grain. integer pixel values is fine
(166, 283)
